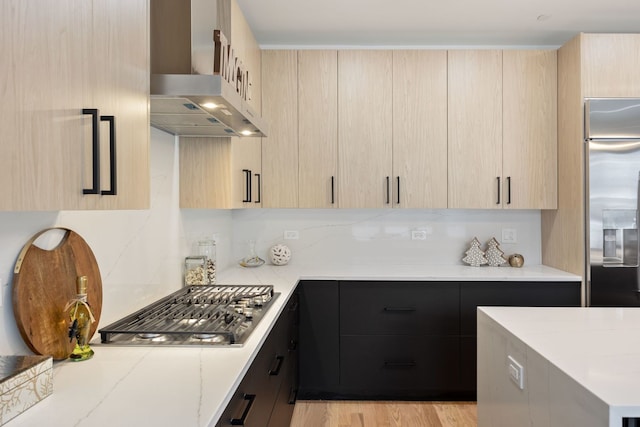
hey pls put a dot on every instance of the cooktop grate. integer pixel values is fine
(195, 315)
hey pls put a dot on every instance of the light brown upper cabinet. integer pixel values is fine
(502, 129)
(610, 65)
(280, 111)
(530, 131)
(475, 128)
(365, 98)
(318, 128)
(420, 129)
(220, 173)
(100, 61)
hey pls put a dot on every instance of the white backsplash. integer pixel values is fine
(141, 253)
(379, 236)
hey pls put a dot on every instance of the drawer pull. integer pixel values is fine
(293, 396)
(279, 360)
(400, 309)
(250, 398)
(408, 364)
(293, 345)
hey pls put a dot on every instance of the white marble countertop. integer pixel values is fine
(599, 348)
(164, 386)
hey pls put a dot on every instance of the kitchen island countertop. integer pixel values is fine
(168, 386)
(580, 366)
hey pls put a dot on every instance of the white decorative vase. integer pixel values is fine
(279, 254)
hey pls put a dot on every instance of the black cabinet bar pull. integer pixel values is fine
(95, 136)
(293, 395)
(498, 179)
(508, 190)
(398, 189)
(408, 364)
(399, 309)
(388, 198)
(279, 360)
(259, 187)
(333, 198)
(250, 398)
(112, 156)
(247, 183)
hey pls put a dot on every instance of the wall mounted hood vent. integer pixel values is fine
(187, 99)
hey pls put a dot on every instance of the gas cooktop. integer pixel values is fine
(195, 315)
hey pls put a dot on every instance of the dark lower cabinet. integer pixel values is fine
(266, 396)
(509, 294)
(403, 340)
(398, 366)
(319, 339)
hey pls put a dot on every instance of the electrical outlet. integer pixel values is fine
(509, 235)
(418, 235)
(516, 372)
(291, 235)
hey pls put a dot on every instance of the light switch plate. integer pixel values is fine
(418, 235)
(291, 235)
(509, 235)
(516, 372)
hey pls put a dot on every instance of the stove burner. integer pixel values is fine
(212, 338)
(148, 336)
(196, 315)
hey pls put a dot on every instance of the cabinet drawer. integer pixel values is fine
(514, 294)
(286, 398)
(399, 308)
(404, 366)
(254, 399)
(256, 395)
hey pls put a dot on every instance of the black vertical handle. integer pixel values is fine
(250, 398)
(508, 190)
(293, 395)
(333, 198)
(498, 179)
(388, 197)
(95, 135)
(247, 183)
(398, 189)
(112, 156)
(259, 187)
(276, 371)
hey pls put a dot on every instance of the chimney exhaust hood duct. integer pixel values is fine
(187, 99)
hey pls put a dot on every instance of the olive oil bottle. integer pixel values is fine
(81, 319)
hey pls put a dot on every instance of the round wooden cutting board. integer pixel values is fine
(44, 281)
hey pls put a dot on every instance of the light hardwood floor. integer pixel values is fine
(383, 414)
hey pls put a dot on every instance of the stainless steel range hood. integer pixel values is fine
(187, 99)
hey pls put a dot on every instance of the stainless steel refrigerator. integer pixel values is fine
(612, 143)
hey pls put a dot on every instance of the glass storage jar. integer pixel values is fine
(195, 270)
(207, 248)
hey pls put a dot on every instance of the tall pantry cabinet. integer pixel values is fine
(58, 59)
(589, 65)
